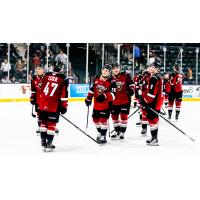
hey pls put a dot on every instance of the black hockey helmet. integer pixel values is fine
(156, 65)
(106, 66)
(115, 65)
(57, 66)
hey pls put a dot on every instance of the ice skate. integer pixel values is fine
(144, 132)
(57, 131)
(49, 147)
(38, 131)
(101, 139)
(138, 124)
(121, 135)
(115, 136)
(152, 142)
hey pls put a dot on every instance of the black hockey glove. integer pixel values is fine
(130, 92)
(33, 101)
(142, 102)
(88, 102)
(63, 110)
(101, 97)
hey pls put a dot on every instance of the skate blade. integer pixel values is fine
(155, 144)
(116, 138)
(144, 135)
(47, 150)
(139, 125)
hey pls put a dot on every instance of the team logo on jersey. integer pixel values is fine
(119, 85)
(40, 85)
(100, 88)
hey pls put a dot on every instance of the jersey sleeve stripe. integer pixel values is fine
(150, 95)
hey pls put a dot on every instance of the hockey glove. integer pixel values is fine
(130, 92)
(63, 110)
(88, 102)
(33, 101)
(142, 102)
(101, 97)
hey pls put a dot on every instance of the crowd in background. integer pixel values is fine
(15, 71)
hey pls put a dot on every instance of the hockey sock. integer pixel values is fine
(103, 132)
(123, 129)
(177, 113)
(99, 130)
(144, 126)
(50, 138)
(170, 113)
(43, 136)
(117, 129)
(154, 133)
(39, 123)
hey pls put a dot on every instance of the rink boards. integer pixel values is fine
(77, 92)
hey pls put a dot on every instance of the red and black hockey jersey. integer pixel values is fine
(154, 96)
(176, 81)
(166, 86)
(144, 83)
(36, 85)
(101, 86)
(123, 83)
(54, 92)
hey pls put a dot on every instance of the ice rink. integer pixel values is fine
(119, 169)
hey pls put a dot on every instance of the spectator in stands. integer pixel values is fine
(36, 59)
(137, 56)
(5, 79)
(13, 79)
(71, 78)
(5, 67)
(63, 58)
(189, 75)
(151, 57)
(20, 67)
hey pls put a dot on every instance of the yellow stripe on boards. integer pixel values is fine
(74, 99)
(27, 99)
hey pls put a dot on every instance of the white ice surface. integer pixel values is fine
(81, 169)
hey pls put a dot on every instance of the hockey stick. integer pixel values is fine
(87, 118)
(109, 128)
(128, 117)
(33, 115)
(78, 128)
(170, 123)
(164, 112)
(88, 109)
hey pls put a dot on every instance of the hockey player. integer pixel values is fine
(138, 86)
(153, 99)
(53, 101)
(144, 88)
(176, 92)
(103, 97)
(135, 81)
(166, 88)
(123, 89)
(36, 84)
